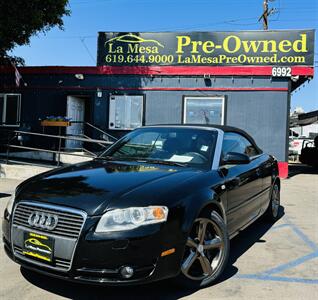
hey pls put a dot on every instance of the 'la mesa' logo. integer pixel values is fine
(133, 45)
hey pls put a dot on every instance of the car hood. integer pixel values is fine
(93, 186)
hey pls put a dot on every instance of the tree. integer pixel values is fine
(20, 19)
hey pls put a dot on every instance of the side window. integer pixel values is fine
(231, 143)
(234, 142)
(248, 148)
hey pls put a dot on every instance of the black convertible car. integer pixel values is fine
(162, 202)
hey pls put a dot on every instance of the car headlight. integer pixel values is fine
(132, 217)
(10, 204)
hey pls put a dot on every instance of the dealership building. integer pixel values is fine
(242, 79)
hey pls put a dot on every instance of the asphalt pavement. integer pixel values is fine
(266, 262)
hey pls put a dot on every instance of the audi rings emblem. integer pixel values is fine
(43, 220)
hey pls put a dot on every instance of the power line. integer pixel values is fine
(297, 8)
(293, 20)
(232, 8)
(202, 25)
(82, 39)
(108, 1)
(198, 26)
(278, 11)
(72, 37)
(241, 24)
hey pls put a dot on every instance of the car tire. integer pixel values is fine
(206, 253)
(272, 212)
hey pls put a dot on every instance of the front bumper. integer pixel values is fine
(98, 258)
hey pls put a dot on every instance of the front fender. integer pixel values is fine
(197, 202)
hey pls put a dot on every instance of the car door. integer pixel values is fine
(243, 182)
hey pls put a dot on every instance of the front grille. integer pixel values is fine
(69, 224)
(58, 263)
(62, 263)
(65, 235)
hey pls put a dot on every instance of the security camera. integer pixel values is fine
(79, 76)
(294, 78)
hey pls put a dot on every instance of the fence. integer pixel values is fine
(15, 140)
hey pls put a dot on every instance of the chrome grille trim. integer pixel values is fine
(79, 216)
(60, 264)
(69, 224)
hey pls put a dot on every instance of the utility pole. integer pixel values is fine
(266, 14)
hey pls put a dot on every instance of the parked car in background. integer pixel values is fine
(296, 144)
(163, 201)
(309, 153)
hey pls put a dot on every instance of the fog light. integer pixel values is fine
(127, 272)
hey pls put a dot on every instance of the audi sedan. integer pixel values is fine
(162, 202)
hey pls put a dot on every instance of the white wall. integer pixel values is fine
(305, 130)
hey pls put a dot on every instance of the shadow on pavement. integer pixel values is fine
(245, 240)
(296, 169)
(159, 290)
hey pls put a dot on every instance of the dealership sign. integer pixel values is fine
(286, 48)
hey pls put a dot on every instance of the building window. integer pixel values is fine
(203, 110)
(10, 107)
(125, 112)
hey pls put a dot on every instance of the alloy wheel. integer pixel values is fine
(204, 251)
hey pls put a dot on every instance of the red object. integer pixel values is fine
(162, 70)
(282, 169)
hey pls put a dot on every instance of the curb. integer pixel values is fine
(21, 171)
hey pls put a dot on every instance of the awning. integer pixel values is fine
(305, 119)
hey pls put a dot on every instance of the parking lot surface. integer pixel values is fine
(266, 262)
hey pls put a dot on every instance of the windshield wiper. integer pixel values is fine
(163, 162)
(104, 157)
(120, 158)
(141, 159)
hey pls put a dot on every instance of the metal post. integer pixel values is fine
(59, 149)
(8, 147)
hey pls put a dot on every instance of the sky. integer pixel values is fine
(76, 45)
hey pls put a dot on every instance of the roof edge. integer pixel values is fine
(160, 70)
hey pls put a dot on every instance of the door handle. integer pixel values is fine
(258, 172)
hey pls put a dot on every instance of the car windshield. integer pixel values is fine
(175, 146)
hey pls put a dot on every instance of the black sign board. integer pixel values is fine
(286, 48)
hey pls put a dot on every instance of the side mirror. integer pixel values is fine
(234, 158)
